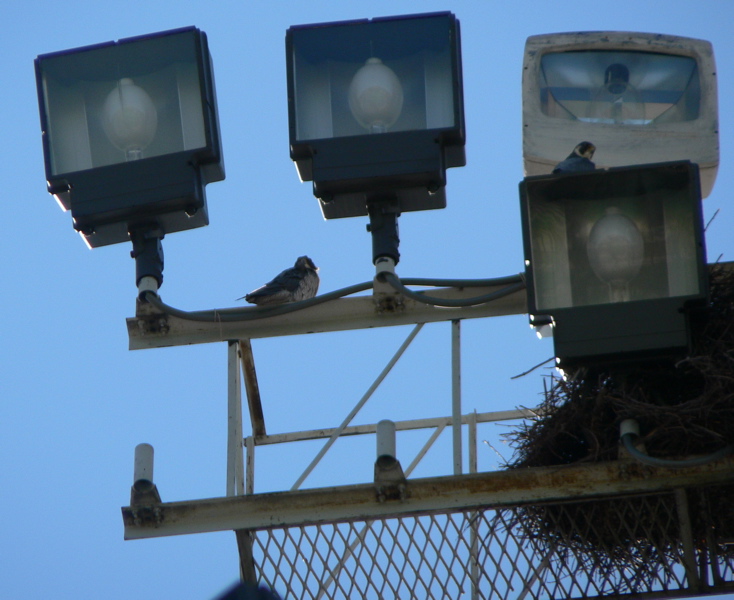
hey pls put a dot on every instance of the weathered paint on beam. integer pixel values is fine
(430, 495)
(359, 312)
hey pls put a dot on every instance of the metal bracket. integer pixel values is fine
(143, 516)
(390, 482)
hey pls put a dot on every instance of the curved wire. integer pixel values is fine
(250, 313)
(513, 282)
(463, 283)
(397, 284)
(627, 440)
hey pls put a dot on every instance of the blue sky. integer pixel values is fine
(75, 401)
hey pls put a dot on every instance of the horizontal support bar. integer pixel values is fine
(316, 434)
(342, 314)
(151, 329)
(423, 496)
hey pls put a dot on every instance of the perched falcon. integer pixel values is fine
(299, 282)
(579, 160)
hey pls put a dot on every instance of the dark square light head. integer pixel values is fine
(375, 108)
(615, 258)
(131, 133)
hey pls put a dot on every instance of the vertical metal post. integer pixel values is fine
(456, 392)
(250, 465)
(235, 458)
(686, 534)
(235, 461)
(472, 422)
(248, 573)
(474, 532)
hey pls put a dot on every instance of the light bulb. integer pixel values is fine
(616, 251)
(375, 96)
(617, 100)
(617, 78)
(129, 118)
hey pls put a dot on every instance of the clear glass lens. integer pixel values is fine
(629, 88)
(362, 78)
(115, 103)
(618, 249)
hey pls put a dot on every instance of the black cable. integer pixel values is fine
(250, 313)
(397, 284)
(628, 441)
(224, 315)
(463, 283)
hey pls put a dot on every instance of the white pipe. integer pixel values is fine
(143, 472)
(148, 284)
(629, 426)
(385, 264)
(386, 438)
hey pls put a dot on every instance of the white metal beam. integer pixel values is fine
(235, 465)
(428, 423)
(430, 495)
(359, 312)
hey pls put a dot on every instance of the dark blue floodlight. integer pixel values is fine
(131, 134)
(376, 111)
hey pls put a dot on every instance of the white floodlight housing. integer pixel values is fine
(638, 97)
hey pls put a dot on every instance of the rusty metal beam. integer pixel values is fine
(430, 495)
(252, 388)
(247, 561)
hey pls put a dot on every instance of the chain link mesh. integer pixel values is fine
(571, 550)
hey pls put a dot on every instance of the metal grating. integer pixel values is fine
(585, 549)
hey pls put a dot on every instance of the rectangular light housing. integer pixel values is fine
(130, 132)
(638, 97)
(615, 258)
(376, 106)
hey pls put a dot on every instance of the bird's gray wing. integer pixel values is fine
(564, 166)
(574, 164)
(287, 281)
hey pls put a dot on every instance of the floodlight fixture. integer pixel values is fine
(615, 260)
(639, 97)
(376, 111)
(131, 134)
